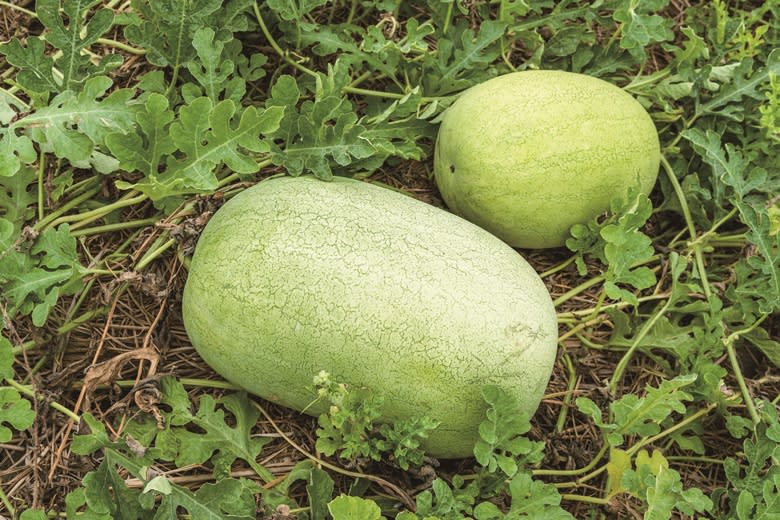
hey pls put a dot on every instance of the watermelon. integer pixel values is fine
(294, 276)
(529, 154)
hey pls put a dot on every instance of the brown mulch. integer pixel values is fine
(140, 336)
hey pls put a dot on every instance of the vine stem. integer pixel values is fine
(72, 203)
(41, 187)
(582, 325)
(630, 451)
(695, 245)
(581, 288)
(372, 93)
(3, 497)
(148, 258)
(586, 499)
(130, 224)
(623, 363)
(275, 45)
(31, 393)
(21, 10)
(447, 18)
(121, 46)
(62, 329)
(129, 199)
(729, 342)
(572, 373)
(728, 216)
(616, 305)
(571, 293)
(691, 418)
(352, 10)
(686, 458)
(573, 472)
(560, 267)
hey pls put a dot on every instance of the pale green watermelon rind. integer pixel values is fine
(527, 155)
(297, 275)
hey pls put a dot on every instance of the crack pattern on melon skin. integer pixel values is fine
(380, 290)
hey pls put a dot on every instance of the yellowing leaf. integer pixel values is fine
(354, 508)
(619, 463)
(656, 462)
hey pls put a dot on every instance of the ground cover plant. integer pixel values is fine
(124, 125)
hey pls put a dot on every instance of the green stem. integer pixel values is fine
(121, 46)
(282, 54)
(126, 200)
(31, 393)
(598, 307)
(79, 187)
(72, 203)
(686, 458)
(21, 10)
(677, 426)
(36, 368)
(447, 18)
(360, 79)
(586, 499)
(614, 36)
(616, 305)
(505, 55)
(560, 267)
(697, 251)
(373, 93)
(729, 238)
(41, 188)
(582, 326)
(729, 341)
(150, 256)
(572, 375)
(593, 474)
(534, 22)
(3, 497)
(595, 281)
(391, 95)
(623, 363)
(581, 288)
(573, 472)
(728, 216)
(647, 79)
(63, 329)
(676, 238)
(589, 342)
(62, 342)
(352, 10)
(96, 230)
